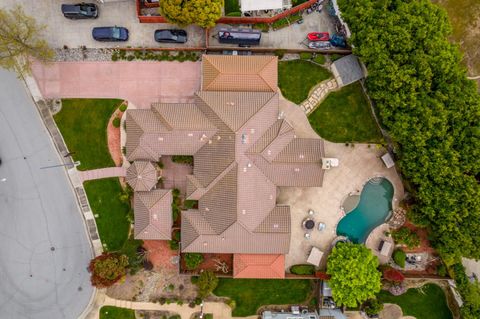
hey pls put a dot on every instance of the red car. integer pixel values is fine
(318, 36)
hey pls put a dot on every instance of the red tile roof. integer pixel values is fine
(258, 266)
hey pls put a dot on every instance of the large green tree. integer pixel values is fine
(20, 39)
(354, 274)
(431, 110)
(183, 12)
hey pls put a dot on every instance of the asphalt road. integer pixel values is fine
(44, 249)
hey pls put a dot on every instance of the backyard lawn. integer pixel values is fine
(345, 116)
(428, 302)
(250, 294)
(83, 124)
(111, 312)
(297, 77)
(112, 221)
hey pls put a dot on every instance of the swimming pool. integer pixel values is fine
(371, 211)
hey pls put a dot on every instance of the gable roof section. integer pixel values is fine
(239, 73)
(142, 176)
(153, 215)
(258, 266)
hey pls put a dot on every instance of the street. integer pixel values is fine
(44, 249)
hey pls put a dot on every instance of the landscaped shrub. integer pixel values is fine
(335, 57)
(123, 107)
(182, 159)
(280, 53)
(173, 244)
(234, 14)
(107, 269)
(262, 27)
(116, 122)
(175, 317)
(442, 270)
(319, 58)
(393, 275)
(302, 269)
(372, 307)
(207, 282)
(399, 257)
(305, 55)
(192, 260)
(407, 237)
(189, 204)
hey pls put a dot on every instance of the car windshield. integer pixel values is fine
(116, 33)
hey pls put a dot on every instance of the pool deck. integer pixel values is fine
(357, 165)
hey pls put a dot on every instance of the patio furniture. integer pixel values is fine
(321, 226)
(384, 247)
(328, 163)
(307, 235)
(308, 224)
(315, 256)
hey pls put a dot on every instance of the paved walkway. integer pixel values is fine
(113, 138)
(141, 82)
(102, 173)
(318, 94)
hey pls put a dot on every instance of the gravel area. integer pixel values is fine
(82, 54)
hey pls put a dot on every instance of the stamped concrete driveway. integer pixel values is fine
(44, 249)
(141, 82)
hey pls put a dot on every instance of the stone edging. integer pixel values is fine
(318, 94)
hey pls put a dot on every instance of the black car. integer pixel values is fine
(171, 36)
(110, 33)
(80, 11)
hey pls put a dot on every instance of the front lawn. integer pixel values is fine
(83, 124)
(111, 312)
(297, 77)
(345, 116)
(427, 302)
(250, 294)
(112, 221)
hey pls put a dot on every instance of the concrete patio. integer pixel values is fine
(357, 165)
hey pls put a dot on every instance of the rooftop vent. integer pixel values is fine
(297, 169)
(249, 165)
(302, 156)
(160, 138)
(155, 217)
(190, 134)
(252, 131)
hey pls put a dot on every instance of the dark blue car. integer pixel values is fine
(110, 33)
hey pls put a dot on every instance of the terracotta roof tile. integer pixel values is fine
(142, 176)
(258, 266)
(238, 73)
(153, 214)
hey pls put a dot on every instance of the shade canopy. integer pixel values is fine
(315, 256)
(255, 5)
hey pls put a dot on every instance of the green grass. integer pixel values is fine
(83, 124)
(111, 312)
(429, 302)
(345, 116)
(113, 225)
(231, 6)
(297, 77)
(250, 294)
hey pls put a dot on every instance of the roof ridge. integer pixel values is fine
(255, 113)
(260, 73)
(215, 67)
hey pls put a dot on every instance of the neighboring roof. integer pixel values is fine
(255, 5)
(239, 73)
(347, 70)
(153, 215)
(289, 315)
(242, 151)
(331, 314)
(258, 266)
(142, 176)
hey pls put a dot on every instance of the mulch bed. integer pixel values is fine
(209, 264)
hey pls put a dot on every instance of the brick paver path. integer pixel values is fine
(318, 94)
(160, 254)
(140, 82)
(103, 173)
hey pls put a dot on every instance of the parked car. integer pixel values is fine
(338, 41)
(318, 36)
(171, 36)
(80, 11)
(321, 45)
(110, 33)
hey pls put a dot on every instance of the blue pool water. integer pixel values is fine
(372, 210)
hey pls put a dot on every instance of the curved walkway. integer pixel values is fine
(318, 94)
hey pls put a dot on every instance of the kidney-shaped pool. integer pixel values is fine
(372, 210)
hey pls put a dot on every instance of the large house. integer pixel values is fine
(243, 149)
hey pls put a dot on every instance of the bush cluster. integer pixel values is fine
(302, 269)
(406, 236)
(399, 257)
(192, 260)
(148, 55)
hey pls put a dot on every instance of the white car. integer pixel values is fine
(320, 45)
